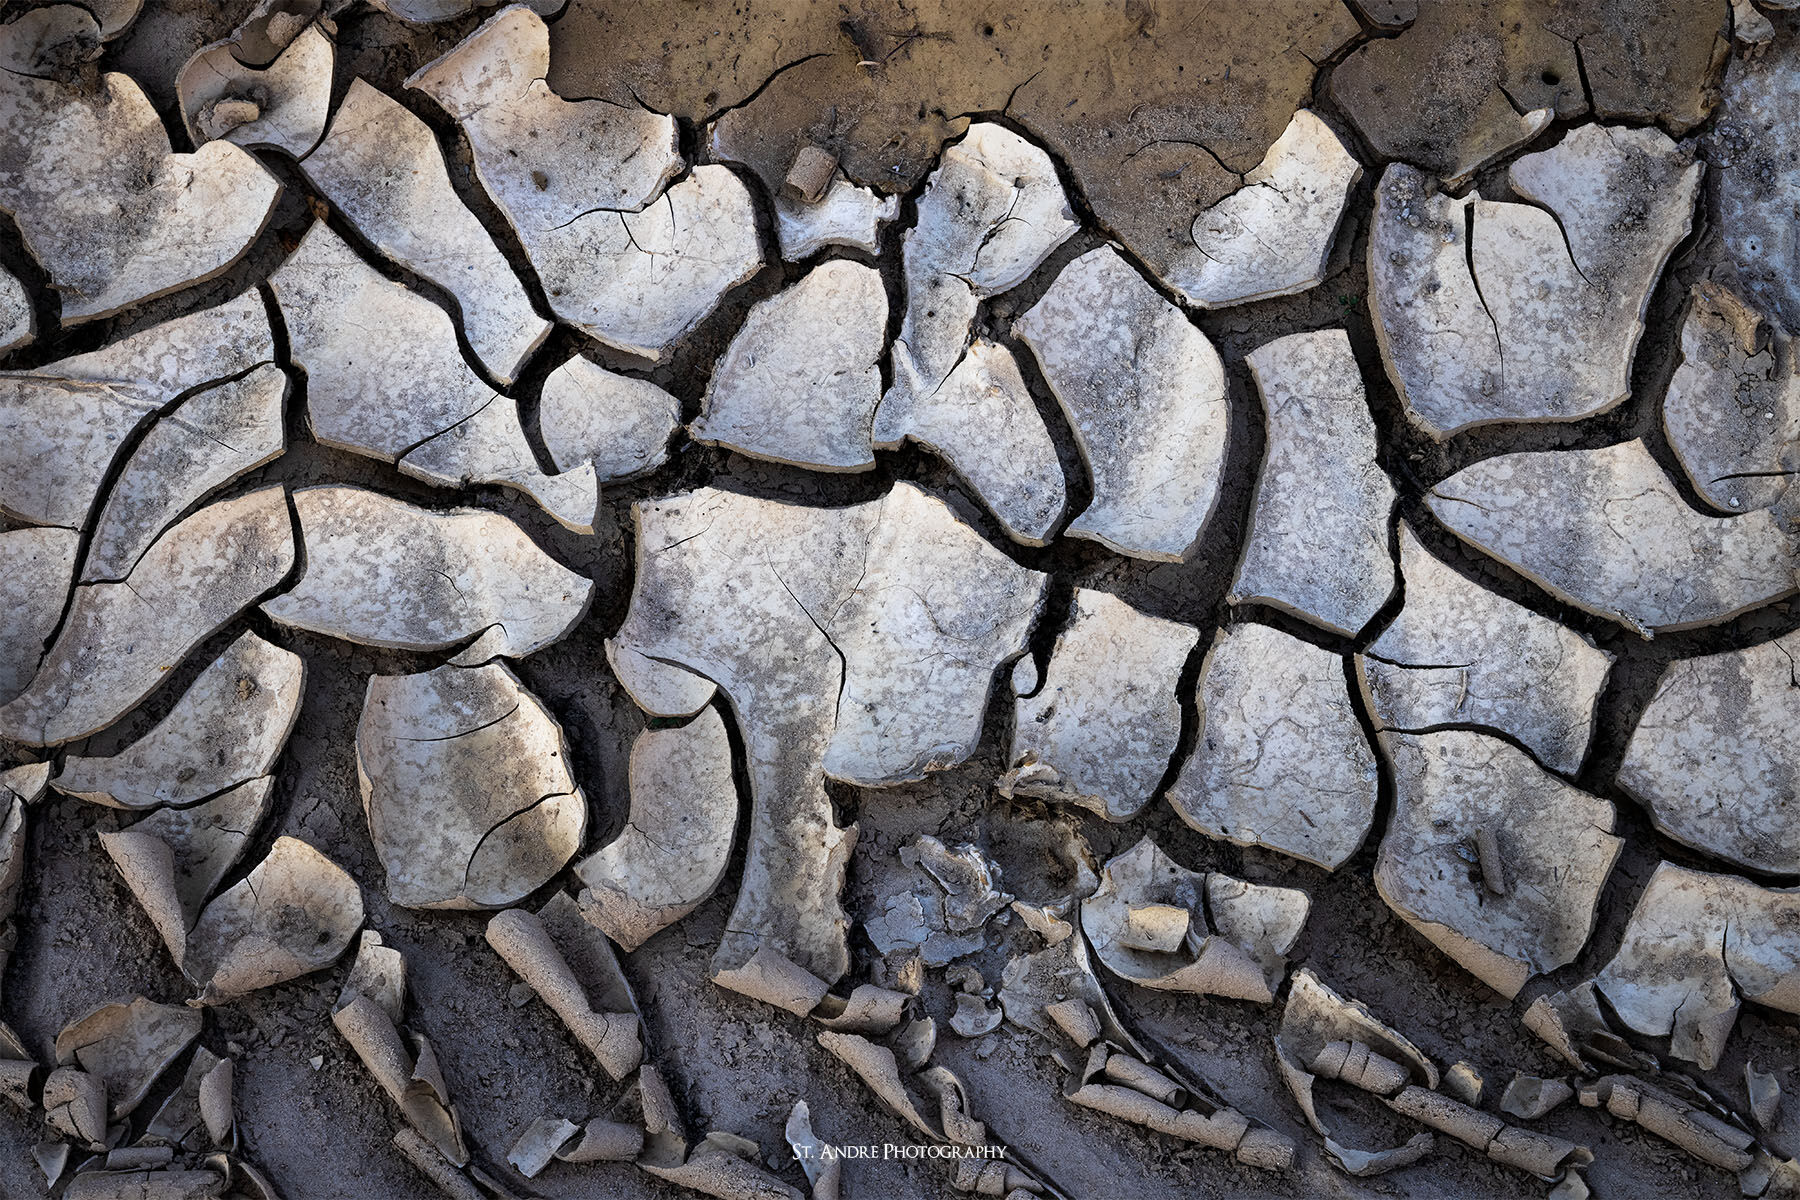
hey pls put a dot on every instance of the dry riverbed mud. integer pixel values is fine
(612, 599)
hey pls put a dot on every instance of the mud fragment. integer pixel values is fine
(110, 213)
(408, 397)
(127, 1046)
(800, 381)
(529, 947)
(1281, 760)
(75, 1106)
(1606, 531)
(1699, 1133)
(619, 423)
(175, 858)
(1219, 963)
(294, 913)
(1271, 237)
(1529, 1097)
(1714, 760)
(1697, 943)
(1551, 843)
(1318, 528)
(1460, 654)
(62, 424)
(1732, 411)
(982, 421)
(467, 787)
(824, 1172)
(1145, 393)
(540, 1143)
(36, 568)
(1490, 311)
(1100, 731)
(119, 638)
(386, 573)
(677, 838)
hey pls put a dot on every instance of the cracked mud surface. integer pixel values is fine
(960, 629)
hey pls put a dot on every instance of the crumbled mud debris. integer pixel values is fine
(783, 600)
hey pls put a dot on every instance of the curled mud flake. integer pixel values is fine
(18, 319)
(407, 397)
(1530, 1097)
(540, 1143)
(386, 573)
(872, 665)
(604, 1141)
(1732, 411)
(106, 209)
(62, 424)
(1764, 1091)
(228, 728)
(1695, 944)
(120, 638)
(404, 1074)
(1100, 731)
(1752, 149)
(202, 444)
(1606, 531)
(215, 1100)
(467, 787)
(1323, 1032)
(532, 947)
(877, 1067)
(178, 1121)
(379, 973)
(1318, 527)
(811, 173)
(436, 1167)
(974, 1017)
(1275, 711)
(294, 913)
(1551, 845)
(801, 379)
(677, 837)
(1538, 316)
(619, 423)
(381, 165)
(1714, 758)
(1674, 1120)
(984, 423)
(147, 1185)
(283, 105)
(75, 1106)
(869, 1009)
(173, 859)
(825, 1173)
(1273, 236)
(993, 210)
(36, 569)
(769, 976)
(1460, 654)
(723, 1168)
(1142, 888)
(1145, 393)
(970, 879)
(127, 1047)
